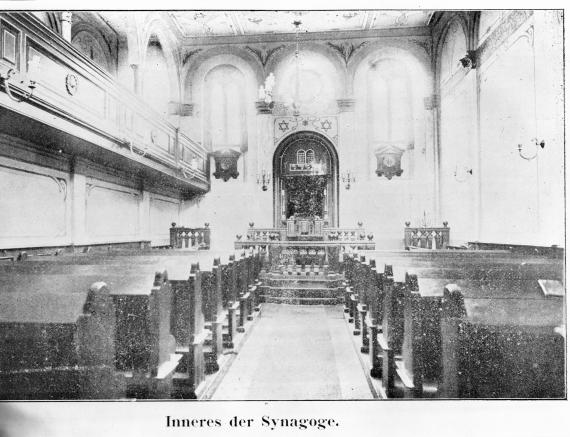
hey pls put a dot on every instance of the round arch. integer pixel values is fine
(325, 154)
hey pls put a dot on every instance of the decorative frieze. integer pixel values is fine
(346, 50)
(326, 125)
(263, 55)
(503, 31)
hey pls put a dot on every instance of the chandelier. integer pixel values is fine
(295, 104)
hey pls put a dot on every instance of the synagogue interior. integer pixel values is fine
(282, 205)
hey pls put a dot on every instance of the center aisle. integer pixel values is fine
(296, 352)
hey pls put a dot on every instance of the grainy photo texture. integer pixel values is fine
(281, 205)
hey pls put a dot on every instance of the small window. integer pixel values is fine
(301, 157)
(310, 157)
(9, 47)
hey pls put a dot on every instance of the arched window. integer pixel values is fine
(454, 48)
(310, 156)
(155, 84)
(224, 108)
(390, 105)
(301, 157)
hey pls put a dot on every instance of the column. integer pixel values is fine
(431, 106)
(66, 25)
(78, 194)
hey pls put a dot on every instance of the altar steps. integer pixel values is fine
(302, 285)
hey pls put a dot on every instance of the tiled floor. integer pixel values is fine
(296, 352)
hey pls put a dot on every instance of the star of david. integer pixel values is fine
(326, 125)
(283, 126)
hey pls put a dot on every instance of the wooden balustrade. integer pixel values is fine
(190, 238)
(426, 237)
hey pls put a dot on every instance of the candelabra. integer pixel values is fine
(263, 179)
(347, 178)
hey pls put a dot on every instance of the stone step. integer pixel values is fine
(302, 292)
(303, 300)
(301, 283)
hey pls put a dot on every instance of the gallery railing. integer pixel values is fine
(45, 71)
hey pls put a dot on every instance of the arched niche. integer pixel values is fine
(390, 85)
(155, 85)
(197, 90)
(321, 80)
(224, 108)
(155, 33)
(92, 44)
(451, 47)
(302, 187)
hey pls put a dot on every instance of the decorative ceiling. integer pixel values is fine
(227, 23)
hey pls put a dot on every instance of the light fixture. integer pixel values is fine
(33, 67)
(536, 144)
(296, 105)
(464, 171)
(347, 178)
(191, 171)
(263, 179)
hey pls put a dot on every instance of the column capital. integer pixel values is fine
(345, 105)
(263, 107)
(66, 16)
(431, 102)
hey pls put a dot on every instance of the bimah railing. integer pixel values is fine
(426, 237)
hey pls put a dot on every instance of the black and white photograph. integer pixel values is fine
(324, 210)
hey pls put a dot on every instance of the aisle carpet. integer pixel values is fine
(296, 352)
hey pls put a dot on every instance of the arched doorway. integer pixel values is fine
(305, 179)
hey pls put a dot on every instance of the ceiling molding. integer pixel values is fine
(304, 37)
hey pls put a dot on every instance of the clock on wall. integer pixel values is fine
(389, 161)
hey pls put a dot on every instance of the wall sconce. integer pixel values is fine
(263, 179)
(536, 144)
(192, 171)
(6, 81)
(467, 171)
(347, 178)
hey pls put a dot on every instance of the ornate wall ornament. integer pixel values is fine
(264, 55)
(189, 55)
(226, 163)
(425, 44)
(71, 83)
(469, 61)
(61, 185)
(326, 125)
(502, 32)
(389, 161)
(346, 50)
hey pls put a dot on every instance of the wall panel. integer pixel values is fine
(111, 212)
(33, 205)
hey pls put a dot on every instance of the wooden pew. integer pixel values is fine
(471, 265)
(57, 341)
(176, 264)
(420, 369)
(501, 348)
(144, 302)
(214, 316)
